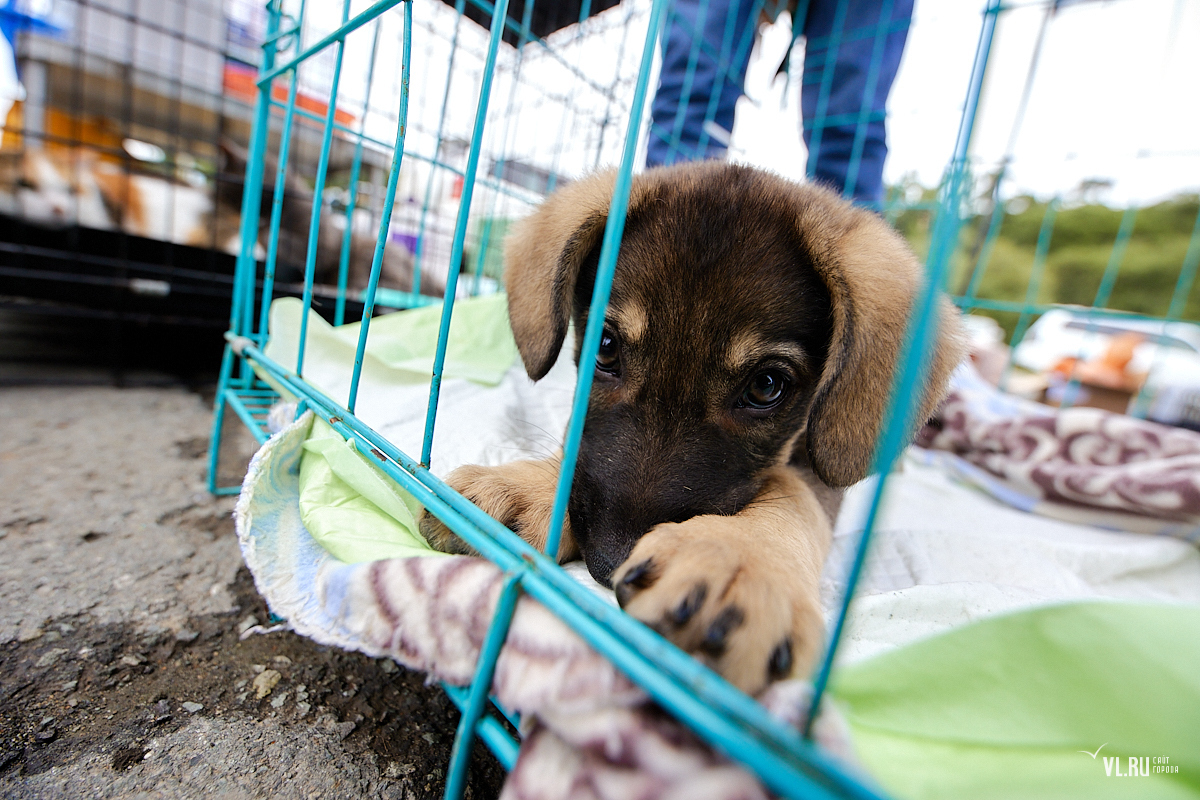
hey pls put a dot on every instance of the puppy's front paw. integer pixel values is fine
(751, 613)
(519, 495)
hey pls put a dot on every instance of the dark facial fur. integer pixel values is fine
(719, 327)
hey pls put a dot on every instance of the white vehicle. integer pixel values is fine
(1170, 356)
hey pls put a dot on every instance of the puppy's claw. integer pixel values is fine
(780, 665)
(637, 578)
(707, 587)
(441, 537)
(716, 638)
(689, 605)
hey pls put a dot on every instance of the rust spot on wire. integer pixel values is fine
(378, 454)
(334, 420)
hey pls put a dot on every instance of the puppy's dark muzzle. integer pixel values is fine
(610, 512)
(604, 536)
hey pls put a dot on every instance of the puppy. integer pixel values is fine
(747, 357)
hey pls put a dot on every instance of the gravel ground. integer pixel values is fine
(122, 595)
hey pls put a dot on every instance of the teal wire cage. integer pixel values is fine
(434, 131)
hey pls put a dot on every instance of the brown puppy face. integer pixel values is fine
(716, 332)
(753, 322)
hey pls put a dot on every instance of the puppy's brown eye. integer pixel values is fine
(766, 390)
(608, 357)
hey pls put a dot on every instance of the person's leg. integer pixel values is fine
(706, 47)
(852, 52)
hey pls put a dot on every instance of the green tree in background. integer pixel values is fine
(1081, 245)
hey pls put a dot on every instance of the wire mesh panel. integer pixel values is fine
(430, 135)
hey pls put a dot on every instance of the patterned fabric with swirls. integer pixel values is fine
(1078, 456)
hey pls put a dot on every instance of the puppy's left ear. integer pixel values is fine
(542, 259)
(873, 278)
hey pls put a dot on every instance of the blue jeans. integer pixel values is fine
(852, 52)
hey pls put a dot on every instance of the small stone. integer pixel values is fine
(45, 736)
(303, 708)
(191, 707)
(51, 657)
(73, 702)
(282, 660)
(131, 660)
(241, 684)
(29, 634)
(302, 692)
(265, 682)
(187, 636)
(70, 686)
(387, 665)
(257, 668)
(65, 628)
(339, 729)
(241, 698)
(278, 700)
(428, 737)
(53, 636)
(248, 622)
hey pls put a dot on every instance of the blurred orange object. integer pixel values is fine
(1105, 382)
(1111, 370)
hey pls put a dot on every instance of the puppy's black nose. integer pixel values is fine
(604, 553)
(601, 566)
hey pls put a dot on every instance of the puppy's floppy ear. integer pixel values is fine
(542, 259)
(873, 278)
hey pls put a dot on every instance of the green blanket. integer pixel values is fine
(350, 507)
(1015, 706)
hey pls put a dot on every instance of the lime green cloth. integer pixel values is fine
(350, 507)
(347, 504)
(480, 347)
(401, 345)
(1002, 708)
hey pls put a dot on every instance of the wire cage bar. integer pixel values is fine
(297, 52)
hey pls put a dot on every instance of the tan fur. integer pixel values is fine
(751, 346)
(761, 564)
(519, 494)
(534, 248)
(874, 277)
(754, 561)
(632, 321)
